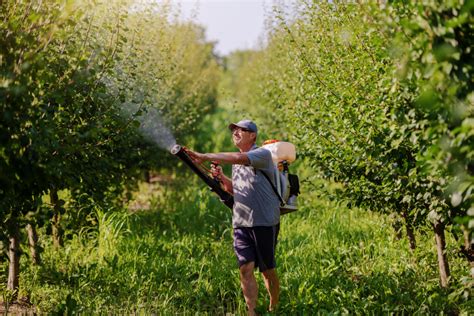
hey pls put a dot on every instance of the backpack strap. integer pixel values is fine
(282, 203)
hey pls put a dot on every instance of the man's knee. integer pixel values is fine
(270, 274)
(246, 270)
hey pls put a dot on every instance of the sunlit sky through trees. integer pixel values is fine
(233, 24)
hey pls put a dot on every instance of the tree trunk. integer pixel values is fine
(411, 236)
(33, 243)
(441, 249)
(56, 229)
(397, 225)
(147, 176)
(410, 232)
(14, 257)
(469, 249)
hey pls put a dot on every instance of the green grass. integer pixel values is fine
(177, 258)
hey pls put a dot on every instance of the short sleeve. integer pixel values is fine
(260, 158)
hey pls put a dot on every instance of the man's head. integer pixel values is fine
(244, 133)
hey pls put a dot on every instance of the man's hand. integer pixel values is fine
(216, 171)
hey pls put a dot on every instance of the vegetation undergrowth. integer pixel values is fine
(177, 258)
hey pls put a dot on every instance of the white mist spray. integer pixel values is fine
(152, 126)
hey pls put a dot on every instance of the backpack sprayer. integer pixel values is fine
(214, 184)
(287, 188)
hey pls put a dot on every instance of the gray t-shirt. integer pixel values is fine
(255, 202)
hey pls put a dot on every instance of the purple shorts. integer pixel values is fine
(256, 244)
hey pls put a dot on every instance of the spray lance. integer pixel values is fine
(213, 183)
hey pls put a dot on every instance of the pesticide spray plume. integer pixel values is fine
(152, 125)
(153, 128)
(226, 198)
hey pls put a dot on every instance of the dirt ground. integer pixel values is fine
(17, 308)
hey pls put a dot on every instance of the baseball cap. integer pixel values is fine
(245, 124)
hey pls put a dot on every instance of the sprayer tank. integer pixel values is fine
(282, 151)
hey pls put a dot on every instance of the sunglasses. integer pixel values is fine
(241, 129)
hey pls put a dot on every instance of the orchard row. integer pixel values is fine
(77, 80)
(379, 99)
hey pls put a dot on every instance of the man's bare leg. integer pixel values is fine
(249, 286)
(273, 287)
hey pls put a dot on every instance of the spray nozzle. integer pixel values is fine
(176, 149)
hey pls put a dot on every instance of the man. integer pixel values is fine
(256, 215)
